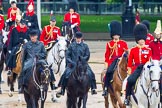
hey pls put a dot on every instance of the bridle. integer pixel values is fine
(146, 91)
(60, 59)
(40, 85)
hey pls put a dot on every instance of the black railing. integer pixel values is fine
(91, 8)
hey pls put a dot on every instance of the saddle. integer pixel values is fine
(18, 67)
(50, 45)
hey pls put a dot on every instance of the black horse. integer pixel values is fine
(36, 86)
(78, 86)
(67, 31)
(2, 59)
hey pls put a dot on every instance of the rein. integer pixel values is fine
(58, 63)
(146, 92)
(40, 87)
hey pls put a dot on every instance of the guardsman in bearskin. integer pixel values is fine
(50, 32)
(1, 19)
(76, 49)
(114, 49)
(150, 37)
(74, 19)
(19, 35)
(156, 48)
(138, 56)
(31, 48)
(13, 11)
(31, 17)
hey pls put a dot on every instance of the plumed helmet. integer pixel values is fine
(78, 35)
(146, 23)
(13, 1)
(140, 32)
(115, 28)
(158, 27)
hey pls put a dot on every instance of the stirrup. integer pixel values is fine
(126, 102)
(93, 92)
(105, 93)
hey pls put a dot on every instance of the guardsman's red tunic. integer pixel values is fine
(73, 18)
(1, 22)
(149, 38)
(49, 34)
(138, 55)
(12, 12)
(156, 48)
(114, 50)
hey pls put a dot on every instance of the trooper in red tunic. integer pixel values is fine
(156, 48)
(13, 11)
(114, 49)
(138, 56)
(1, 20)
(50, 32)
(150, 37)
(74, 19)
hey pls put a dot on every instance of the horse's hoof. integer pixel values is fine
(0, 91)
(10, 94)
(53, 100)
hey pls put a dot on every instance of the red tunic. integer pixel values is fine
(73, 18)
(138, 56)
(149, 38)
(49, 34)
(114, 50)
(1, 22)
(12, 12)
(156, 48)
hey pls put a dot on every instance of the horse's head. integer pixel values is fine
(152, 74)
(81, 66)
(45, 74)
(66, 27)
(61, 47)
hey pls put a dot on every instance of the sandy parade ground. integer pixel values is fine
(97, 49)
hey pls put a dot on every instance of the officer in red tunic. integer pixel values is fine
(156, 48)
(13, 11)
(150, 37)
(1, 20)
(50, 32)
(74, 18)
(138, 56)
(114, 49)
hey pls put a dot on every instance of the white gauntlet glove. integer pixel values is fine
(29, 24)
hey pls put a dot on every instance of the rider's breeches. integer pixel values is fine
(52, 76)
(92, 78)
(64, 78)
(110, 72)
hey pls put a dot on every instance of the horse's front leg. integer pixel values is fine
(85, 100)
(34, 102)
(79, 102)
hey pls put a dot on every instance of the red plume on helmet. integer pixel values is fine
(30, 8)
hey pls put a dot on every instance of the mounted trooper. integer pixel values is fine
(76, 49)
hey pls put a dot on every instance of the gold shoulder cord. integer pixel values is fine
(48, 34)
(112, 49)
